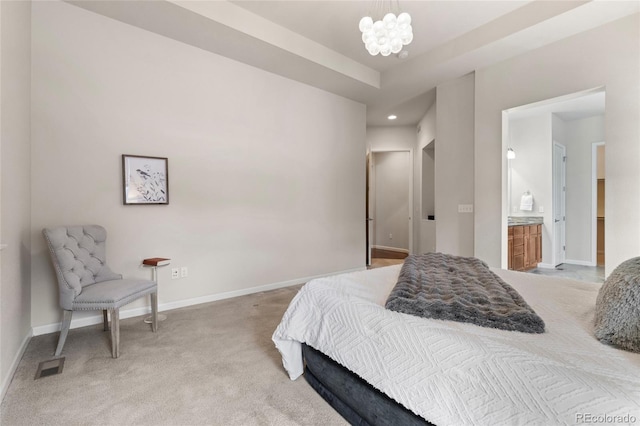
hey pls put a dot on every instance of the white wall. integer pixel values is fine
(531, 170)
(15, 212)
(392, 138)
(580, 135)
(559, 69)
(454, 166)
(391, 175)
(267, 175)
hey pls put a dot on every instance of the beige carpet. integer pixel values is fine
(210, 364)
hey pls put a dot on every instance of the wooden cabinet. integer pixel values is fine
(525, 247)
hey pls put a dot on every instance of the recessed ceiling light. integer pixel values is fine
(392, 117)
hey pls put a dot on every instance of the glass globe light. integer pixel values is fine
(365, 23)
(407, 39)
(404, 19)
(371, 38)
(387, 35)
(396, 45)
(389, 21)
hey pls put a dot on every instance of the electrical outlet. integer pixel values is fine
(465, 208)
(184, 272)
(391, 236)
(540, 209)
(175, 273)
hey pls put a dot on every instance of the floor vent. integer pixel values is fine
(49, 368)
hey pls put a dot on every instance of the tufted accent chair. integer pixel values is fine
(86, 283)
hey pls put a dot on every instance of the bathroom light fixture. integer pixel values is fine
(511, 154)
(392, 117)
(387, 35)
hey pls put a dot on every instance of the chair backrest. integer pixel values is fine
(79, 257)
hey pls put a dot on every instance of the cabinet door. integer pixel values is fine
(510, 252)
(527, 251)
(531, 251)
(518, 262)
(539, 244)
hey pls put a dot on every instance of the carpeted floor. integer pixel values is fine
(212, 364)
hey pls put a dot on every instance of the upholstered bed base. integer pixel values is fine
(356, 400)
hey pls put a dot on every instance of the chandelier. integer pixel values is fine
(387, 35)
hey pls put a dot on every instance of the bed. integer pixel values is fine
(450, 373)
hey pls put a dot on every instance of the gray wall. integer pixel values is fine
(15, 214)
(559, 69)
(454, 165)
(266, 175)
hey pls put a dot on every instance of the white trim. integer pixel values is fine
(97, 319)
(558, 242)
(14, 365)
(399, 250)
(546, 266)
(580, 262)
(506, 194)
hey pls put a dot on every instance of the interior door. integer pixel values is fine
(559, 203)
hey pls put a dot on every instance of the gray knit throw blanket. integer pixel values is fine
(442, 286)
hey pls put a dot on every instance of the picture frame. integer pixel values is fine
(145, 180)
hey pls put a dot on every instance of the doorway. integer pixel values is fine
(553, 141)
(389, 206)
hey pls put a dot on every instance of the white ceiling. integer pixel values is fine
(318, 42)
(334, 24)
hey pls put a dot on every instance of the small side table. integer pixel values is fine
(154, 263)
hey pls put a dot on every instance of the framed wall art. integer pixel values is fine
(145, 180)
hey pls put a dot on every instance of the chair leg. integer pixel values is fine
(105, 319)
(64, 330)
(154, 311)
(115, 332)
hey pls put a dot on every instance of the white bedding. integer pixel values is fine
(460, 374)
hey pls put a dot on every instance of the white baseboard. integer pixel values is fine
(546, 266)
(399, 250)
(134, 312)
(14, 365)
(580, 262)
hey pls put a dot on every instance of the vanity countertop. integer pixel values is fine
(524, 220)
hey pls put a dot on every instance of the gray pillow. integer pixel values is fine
(618, 307)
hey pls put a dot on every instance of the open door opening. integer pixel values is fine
(388, 209)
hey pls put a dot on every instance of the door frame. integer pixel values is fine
(368, 219)
(563, 205)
